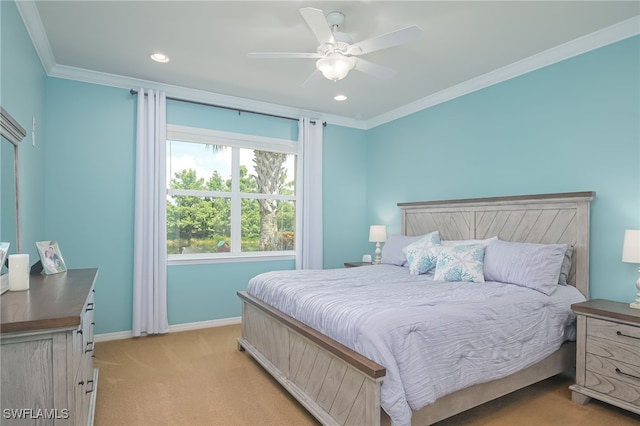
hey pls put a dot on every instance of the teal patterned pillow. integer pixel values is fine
(460, 263)
(423, 253)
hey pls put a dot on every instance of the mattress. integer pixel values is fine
(432, 337)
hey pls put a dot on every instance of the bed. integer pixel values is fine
(342, 386)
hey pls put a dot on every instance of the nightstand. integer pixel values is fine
(608, 354)
(355, 264)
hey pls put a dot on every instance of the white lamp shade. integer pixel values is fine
(335, 66)
(631, 248)
(377, 234)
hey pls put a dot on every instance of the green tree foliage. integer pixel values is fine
(201, 222)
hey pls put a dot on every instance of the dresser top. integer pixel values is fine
(608, 308)
(52, 301)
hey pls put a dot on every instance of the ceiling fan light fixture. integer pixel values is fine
(335, 66)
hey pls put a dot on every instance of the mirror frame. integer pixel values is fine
(12, 131)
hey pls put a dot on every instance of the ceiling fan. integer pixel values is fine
(337, 54)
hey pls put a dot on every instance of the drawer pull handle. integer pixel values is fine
(89, 307)
(626, 335)
(626, 374)
(89, 347)
(89, 390)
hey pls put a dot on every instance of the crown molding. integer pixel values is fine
(32, 22)
(595, 40)
(195, 95)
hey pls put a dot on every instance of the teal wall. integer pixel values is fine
(90, 189)
(22, 94)
(345, 228)
(572, 126)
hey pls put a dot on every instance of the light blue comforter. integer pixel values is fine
(432, 337)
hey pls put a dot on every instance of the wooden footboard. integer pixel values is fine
(337, 385)
(341, 387)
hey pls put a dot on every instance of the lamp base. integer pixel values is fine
(378, 254)
(636, 303)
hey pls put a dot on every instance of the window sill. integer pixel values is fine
(207, 258)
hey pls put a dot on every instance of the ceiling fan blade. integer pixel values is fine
(318, 23)
(394, 38)
(283, 55)
(383, 73)
(314, 76)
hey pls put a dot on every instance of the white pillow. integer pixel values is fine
(392, 253)
(460, 262)
(423, 253)
(536, 266)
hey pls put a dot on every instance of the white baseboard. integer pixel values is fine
(104, 337)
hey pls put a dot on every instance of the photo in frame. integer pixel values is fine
(50, 257)
(4, 249)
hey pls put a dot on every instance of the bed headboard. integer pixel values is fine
(547, 219)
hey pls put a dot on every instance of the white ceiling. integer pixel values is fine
(470, 43)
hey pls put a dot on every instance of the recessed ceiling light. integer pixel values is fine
(160, 57)
(340, 97)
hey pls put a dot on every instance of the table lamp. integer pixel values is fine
(631, 254)
(378, 234)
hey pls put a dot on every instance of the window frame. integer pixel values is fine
(236, 141)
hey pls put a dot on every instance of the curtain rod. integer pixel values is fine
(324, 123)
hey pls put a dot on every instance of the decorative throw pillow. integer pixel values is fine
(392, 253)
(422, 254)
(536, 266)
(460, 262)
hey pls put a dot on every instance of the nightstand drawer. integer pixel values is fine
(613, 378)
(614, 331)
(613, 340)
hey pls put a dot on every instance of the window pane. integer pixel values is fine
(268, 225)
(198, 166)
(198, 224)
(266, 172)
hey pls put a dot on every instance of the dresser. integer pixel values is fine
(608, 354)
(46, 351)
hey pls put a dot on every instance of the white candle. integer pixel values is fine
(18, 272)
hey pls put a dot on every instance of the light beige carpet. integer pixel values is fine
(200, 378)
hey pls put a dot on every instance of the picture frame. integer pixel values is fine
(51, 257)
(4, 250)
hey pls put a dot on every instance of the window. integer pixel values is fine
(229, 195)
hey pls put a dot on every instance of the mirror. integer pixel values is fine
(12, 133)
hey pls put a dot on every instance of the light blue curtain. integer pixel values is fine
(150, 237)
(309, 226)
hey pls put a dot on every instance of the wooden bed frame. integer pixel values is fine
(341, 387)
